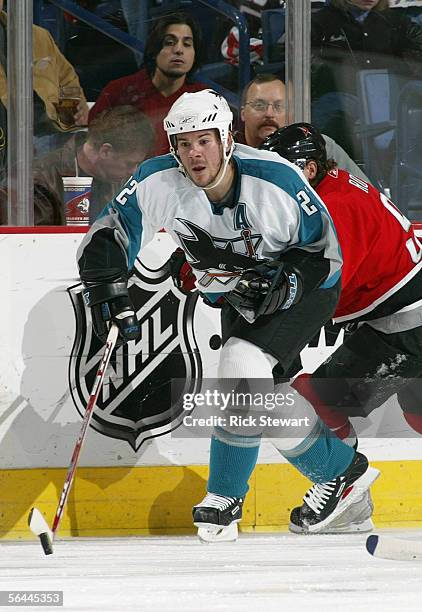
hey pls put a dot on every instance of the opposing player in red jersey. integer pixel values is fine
(380, 301)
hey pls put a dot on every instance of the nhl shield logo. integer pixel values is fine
(143, 388)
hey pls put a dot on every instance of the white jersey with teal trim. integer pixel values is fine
(274, 209)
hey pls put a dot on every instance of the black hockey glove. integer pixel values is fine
(269, 287)
(109, 301)
(181, 271)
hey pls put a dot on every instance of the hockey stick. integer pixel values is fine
(396, 549)
(36, 521)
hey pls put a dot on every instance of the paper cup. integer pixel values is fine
(77, 196)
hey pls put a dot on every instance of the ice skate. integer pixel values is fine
(330, 504)
(356, 519)
(217, 517)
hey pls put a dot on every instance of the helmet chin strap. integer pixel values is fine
(222, 171)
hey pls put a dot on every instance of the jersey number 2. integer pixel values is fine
(130, 188)
(305, 203)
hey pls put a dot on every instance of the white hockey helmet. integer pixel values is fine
(201, 110)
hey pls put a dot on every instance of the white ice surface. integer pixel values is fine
(260, 572)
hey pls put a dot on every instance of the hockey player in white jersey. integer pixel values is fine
(257, 234)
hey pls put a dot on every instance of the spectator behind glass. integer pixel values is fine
(263, 111)
(352, 35)
(117, 141)
(84, 45)
(51, 73)
(172, 55)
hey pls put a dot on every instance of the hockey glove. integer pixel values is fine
(181, 271)
(269, 287)
(110, 302)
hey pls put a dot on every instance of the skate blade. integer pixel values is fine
(363, 527)
(210, 533)
(361, 485)
(355, 519)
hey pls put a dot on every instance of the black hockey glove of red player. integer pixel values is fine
(109, 301)
(181, 271)
(271, 286)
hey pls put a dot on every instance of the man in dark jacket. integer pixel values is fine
(352, 35)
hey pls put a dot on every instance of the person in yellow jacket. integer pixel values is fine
(51, 73)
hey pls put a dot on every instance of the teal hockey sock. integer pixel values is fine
(321, 456)
(232, 460)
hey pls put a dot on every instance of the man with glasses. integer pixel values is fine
(263, 111)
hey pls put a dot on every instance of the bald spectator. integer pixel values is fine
(172, 55)
(263, 111)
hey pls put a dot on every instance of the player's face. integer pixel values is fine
(365, 5)
(178, 54)
(201, 155)
(116, 166)
(264, 111)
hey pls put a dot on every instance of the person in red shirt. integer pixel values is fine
(172, 55)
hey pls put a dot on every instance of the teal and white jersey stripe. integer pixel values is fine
(274, 210)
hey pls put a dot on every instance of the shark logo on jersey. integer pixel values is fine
(221, 259)
(143, 389)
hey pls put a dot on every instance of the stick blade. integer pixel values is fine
(39, 527)
(396, 549)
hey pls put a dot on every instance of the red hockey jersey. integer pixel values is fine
(380, 250)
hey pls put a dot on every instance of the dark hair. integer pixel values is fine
(155, 41)
(124, 127)
(344, 5)
(257, 80)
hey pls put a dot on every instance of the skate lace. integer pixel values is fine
(319, 494)
(211, 500)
